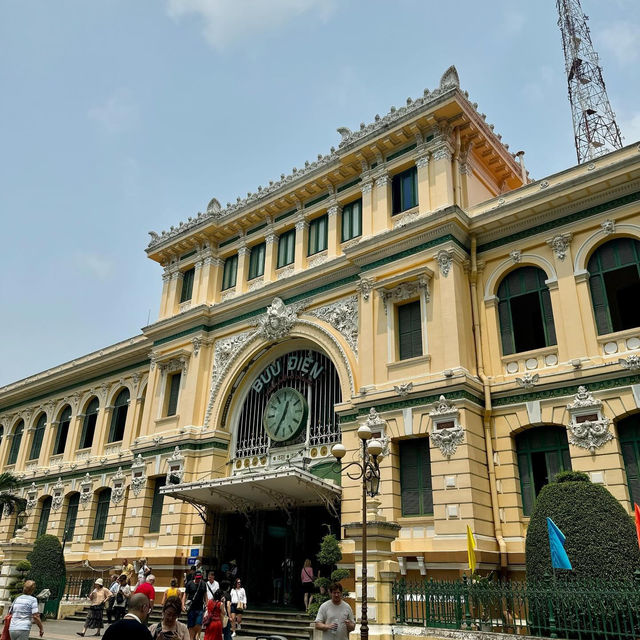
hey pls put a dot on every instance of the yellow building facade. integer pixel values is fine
(413, 279)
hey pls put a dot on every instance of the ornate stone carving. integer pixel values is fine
(584, 400)
(343, 317)
(422, 161)
(256, 283)
(197, 343)
(442, 152)
(589, 434)
(403, 389)
(404, 291)
(180, 363)
(366, 186)
(365, 287)
(278, 321)
(516, 256)
(382, 180)
(317, 260)
(374, 420)
(58, 495)
(117, 493)
(138, 475)
(449, 79)
(631, 362)
(528, 381)
(86, 484)
(446, 434)
(444, 260)
(609, 227)
(560, 245)
(175, 472)
(32, 497)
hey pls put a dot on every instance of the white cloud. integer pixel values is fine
(98, 266)
(226, 21)
(623, 40)
(117, 114)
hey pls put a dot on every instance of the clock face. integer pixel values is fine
(285, 414)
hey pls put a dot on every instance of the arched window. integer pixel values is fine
(119, 416)
(38, 436)
(542, 453)
(72, 516)
(45, 512)
(102, 514)
(15, 442)
(1, 433)
(63, 431)
(629, 434)
(614, 280)
(524, 309)
(89, 424)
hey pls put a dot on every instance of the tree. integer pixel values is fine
(8, 485)
(15, 588)
(47, 565)
(329, 556)
(601, 538)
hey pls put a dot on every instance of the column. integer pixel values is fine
(270, 256)
(243, 269)
(367, 322)
(334, 230)
(164, 300)
(46, 451)
(366, 187)
(442, 174)
(382, 203)
(199, 291)
(302, 242)
(103, 425)
(424, 191)
(13, 552)
(173, 293)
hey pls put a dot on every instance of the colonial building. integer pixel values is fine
(486, 326)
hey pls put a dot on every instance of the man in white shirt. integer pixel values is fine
(335, 617)
(212, 585)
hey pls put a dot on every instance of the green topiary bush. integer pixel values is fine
(601, 538)
(328, 556)
(47, 565)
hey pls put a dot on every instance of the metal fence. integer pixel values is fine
(77, 588)
(586, 610)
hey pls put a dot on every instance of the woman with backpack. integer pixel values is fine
(121, 598)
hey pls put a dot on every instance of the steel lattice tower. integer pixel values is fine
(594, 124)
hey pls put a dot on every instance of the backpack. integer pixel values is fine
(120, 596)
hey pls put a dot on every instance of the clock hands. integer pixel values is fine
(284, 414)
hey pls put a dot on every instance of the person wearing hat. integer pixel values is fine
(195, 596)
(97, 597)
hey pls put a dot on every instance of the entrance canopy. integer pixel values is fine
(277, 489)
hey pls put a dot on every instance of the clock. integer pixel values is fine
(285, 414)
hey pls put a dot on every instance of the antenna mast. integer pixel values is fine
(594, 125)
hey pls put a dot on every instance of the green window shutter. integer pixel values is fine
(62, 431)
(600, 304)
(630, 457)
(15, 443)
(526, 483)
(102, 514)
(547, 316)
(45, 512)
(416, 493)
(38, 436)
(351, 220)
(256, 261)
(89, 424)
(287, 248)
(409, 330)
(230, 272)
(187, 285)
(506, 327)
(174, 390)
(72, 516)
(119, 416)
(156, 505)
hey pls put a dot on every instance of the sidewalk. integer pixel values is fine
(66, 630)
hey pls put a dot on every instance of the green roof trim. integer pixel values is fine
(256, 229)
(401, 152)
(282, 216)
(348, 185)
(229, 241)
(574, 217)
(310, 203)
(184, 256)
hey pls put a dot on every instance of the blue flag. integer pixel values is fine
(559, 557)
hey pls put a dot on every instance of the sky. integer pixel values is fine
(118, 117)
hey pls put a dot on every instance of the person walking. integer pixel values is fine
(195, 596)
(24, 612)
(170, 628)
(148, 589)
(113, 587)
(213, 617)
(133, 625)
(121, 598)
(212, 586)
(238, 605)
(97, 597)
(335, 617)
(172, 592)
(306, 576)
(225, 587)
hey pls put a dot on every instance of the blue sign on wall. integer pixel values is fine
(194, 553)
(191, 561)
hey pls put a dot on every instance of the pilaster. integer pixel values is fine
(243, 269)
(382, 203)
(366, 187)
(302, 242)
(46, 451)
(422, 166)
(270, 256)
(441, 172)
(164, 300)
(334, 230)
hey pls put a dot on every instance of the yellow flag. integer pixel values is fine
(471, 549)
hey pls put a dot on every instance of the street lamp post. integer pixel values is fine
(368, 470)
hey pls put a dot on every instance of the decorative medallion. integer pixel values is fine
(560, 245)
(584, 400)
(32, 497)
(403, 389)
(278, 321)
(444, 260)
(138, 475)
(528, 380)
(86, 485)
(58, 495)
(631, 362)
(516, 256)
(117, 493)
(446, 434)
(404, 291)
(343, 317)
(175, 473)
(609, 227)
(589, 434)
(365, 287)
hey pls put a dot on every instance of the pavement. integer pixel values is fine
(67, 629)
